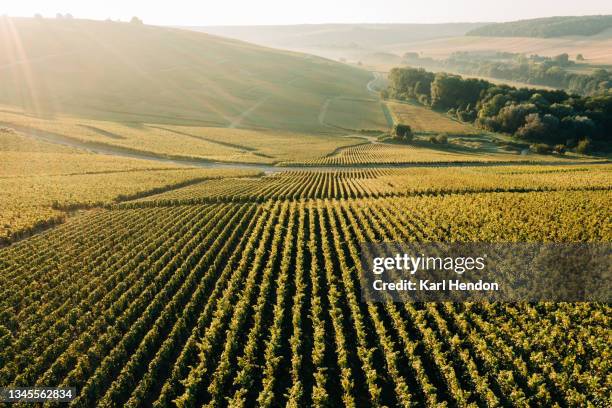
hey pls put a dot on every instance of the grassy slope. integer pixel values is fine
(136, 73)
(356, 114)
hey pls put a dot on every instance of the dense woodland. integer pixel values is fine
(556, 72)
(551, 117)
(547, 27)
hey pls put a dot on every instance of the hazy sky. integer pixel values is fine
(253, 12)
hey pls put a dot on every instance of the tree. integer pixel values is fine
(579, 57)
(561, 59)
(411, 55)
(538, 128)
(512, 117)
(135, 20)
(402, 132)
(452, 91)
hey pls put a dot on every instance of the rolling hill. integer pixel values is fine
(547, 27)
(137, 73)
(350, 41)
(381, 45)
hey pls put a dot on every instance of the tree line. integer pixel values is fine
(547, 27)
(534, 69)
(551, 117)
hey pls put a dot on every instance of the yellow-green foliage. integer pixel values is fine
(422, 119)
(272, 146)
(23, 156)
(39, 180)
(215, 144)
(366, 183)
(29, 201)
(389, 154)
(201, 279)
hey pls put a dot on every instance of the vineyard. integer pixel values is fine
(41, 182)
(258, 303)
(390, 154)
(183, 218)
(384, 182)
(168, 140)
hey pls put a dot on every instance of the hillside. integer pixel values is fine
(137, 73)
(379, 46)
(350, 41)
(547, 27)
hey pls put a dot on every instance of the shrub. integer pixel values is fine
(560, 149)
(541, 148)
(583, 146)
(439, 139)
(442, 139)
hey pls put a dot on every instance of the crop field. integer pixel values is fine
(40, 182)
(424, 120)
(383, 182)
(596, 49)
(258, 303)
(182, 219)
(201, 143)
(356, 114)
(393, 154)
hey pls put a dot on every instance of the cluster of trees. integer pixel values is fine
(534, 69)
(546, 27)
(402, 133)
(543, 116)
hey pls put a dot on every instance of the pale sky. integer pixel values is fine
(258, 12)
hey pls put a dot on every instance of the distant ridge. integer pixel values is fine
(549, 27)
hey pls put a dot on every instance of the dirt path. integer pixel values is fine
(245, 114)
(370, 85)
(323, 112)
